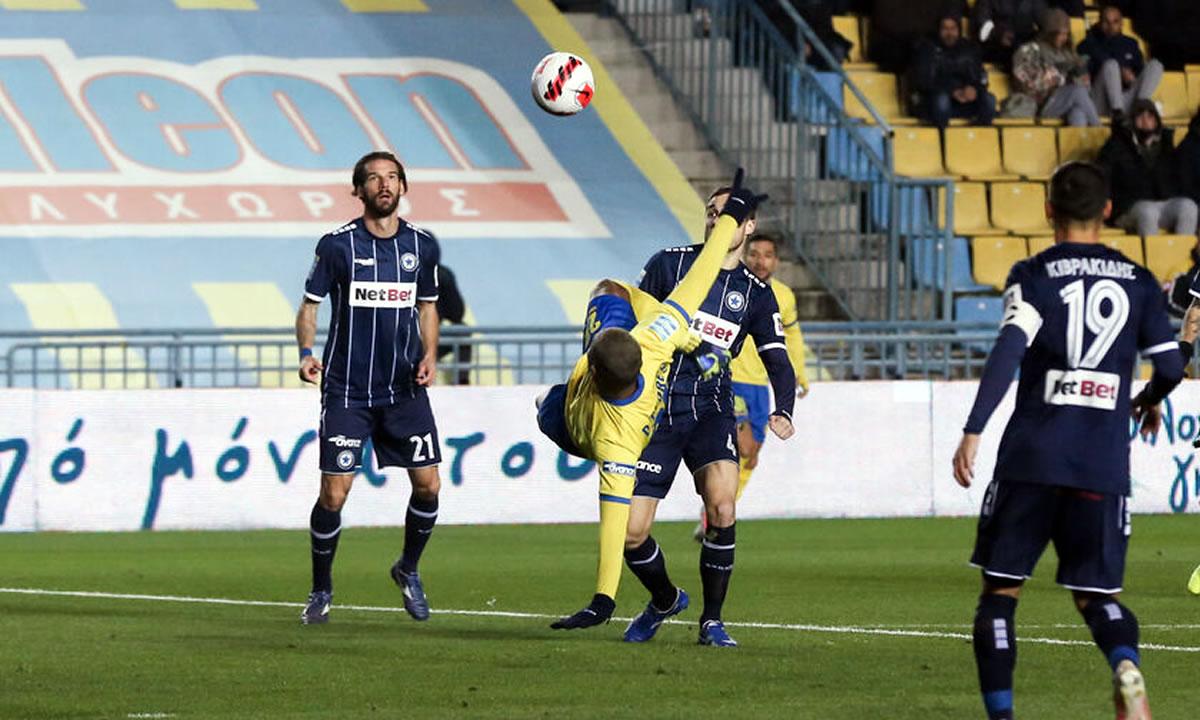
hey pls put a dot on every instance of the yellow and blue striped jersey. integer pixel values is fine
(748, 368)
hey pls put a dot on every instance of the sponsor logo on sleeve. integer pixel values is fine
(713, 329)
(1083, 388)
(383, 294)
(664, 326)
(778, 320)
(616, 468)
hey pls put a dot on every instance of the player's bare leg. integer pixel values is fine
(717, 483)
(325, 527)
(418, 526)
(1115, 631)
(645, 559)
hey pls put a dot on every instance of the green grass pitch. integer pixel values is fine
(857, 619)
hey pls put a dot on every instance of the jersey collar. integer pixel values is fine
(641, 383)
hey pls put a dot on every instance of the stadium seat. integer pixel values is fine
(928, 266)
(971, 209)
(1079, 28)
(881, 90)
(847, 27)
(1031, 152)
(846, 160)
(1040, 243)
(994, 256)
(999, 85)
(1172, 93)
(918, 152)
(1169, 255)
(1193, 90)
(1019, 207)
(1081, 143)
(986, 309)
(974, 153)
(1128, 245)
(820, 111)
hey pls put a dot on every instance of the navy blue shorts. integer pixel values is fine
(552, 419)
(403, 434)
(1090, 532)
(697, 442)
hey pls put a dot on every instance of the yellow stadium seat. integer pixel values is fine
(1128, 245)
(1019, 207)
(1172, 93)
(974, 152)
(993, 257)
(1040, 243)
(1079, 29)
(1081, 143)
(918, 152)
(971, 209)
(1193, 88)
(999, 85)
(881, 90)
(1169, 255)
(1031, 152)
(847, 27)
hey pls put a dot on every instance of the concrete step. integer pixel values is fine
(651, 6)
(699, 163)
(817, 304)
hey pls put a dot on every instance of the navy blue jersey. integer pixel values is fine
(739, 304)
(1086, 312)
(374, 343)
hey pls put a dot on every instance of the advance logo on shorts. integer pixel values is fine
(713, 329)
(1082, 388)
(383, 294)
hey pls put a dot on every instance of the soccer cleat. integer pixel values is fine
(414, 592)
(1194, 582)
(316, 610)
(712, 632)
(597, 613)
(1129, 692)
(643, 627)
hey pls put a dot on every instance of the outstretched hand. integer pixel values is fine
(742, 201)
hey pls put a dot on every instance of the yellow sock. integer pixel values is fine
(743, 477)
(614, 519)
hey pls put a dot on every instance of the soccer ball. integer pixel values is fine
(562, 84)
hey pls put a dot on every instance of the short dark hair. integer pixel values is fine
(1078, 193)
(1111, 5)
(360, 168)
(616, 360)
(767, 237)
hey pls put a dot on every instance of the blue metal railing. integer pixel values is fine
(869, 235)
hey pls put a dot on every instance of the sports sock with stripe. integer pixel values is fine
(646, 561)
(418, 526)
(325, 527)
(995, 642)
(1114, 628)
(716, 567)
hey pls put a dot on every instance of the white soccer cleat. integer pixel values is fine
(1129, 692)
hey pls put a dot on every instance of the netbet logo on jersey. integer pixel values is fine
(714, 330)
(383, 294)
(1082, 388)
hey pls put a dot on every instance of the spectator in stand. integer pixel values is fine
(1050, 78)
(897, 25)
(1119, 73)
(1187, 157)
(1002, 26)
(949, 78)
(1147, 186)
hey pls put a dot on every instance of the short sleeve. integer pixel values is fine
(427, 273)
(1155, 334)
(654, 278)
(1021, 308)
(323, 273)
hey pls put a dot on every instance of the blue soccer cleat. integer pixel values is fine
(643, 627)
(316, 610)
(414, 592)
(712, 632)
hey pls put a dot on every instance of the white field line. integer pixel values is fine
(792, 627)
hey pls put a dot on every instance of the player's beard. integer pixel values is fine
(383, 209)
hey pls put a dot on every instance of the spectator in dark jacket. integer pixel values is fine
(1002, 26)
(1147, 186)
(1119, 73)
(949, 78)
(897, 26)
(1187, 155)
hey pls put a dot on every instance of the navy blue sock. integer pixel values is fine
(996, 653)
(1114, 628)
(418, 526)
(646, 561)
(716, 567)
(325, 527)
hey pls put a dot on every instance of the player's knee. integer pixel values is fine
(427, 485)
(636, 537)
(333, 496)
(721, 512)
(609, 287)
(1084, 599)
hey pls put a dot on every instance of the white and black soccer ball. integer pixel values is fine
(562, 84)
